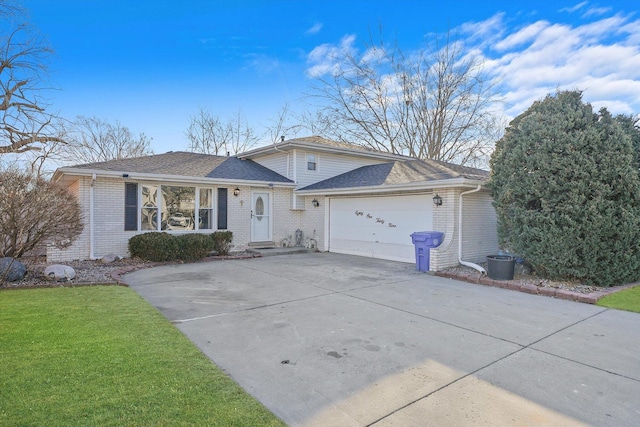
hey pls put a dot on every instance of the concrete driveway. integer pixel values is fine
(334, 340)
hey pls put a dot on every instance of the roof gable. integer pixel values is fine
(320, 144)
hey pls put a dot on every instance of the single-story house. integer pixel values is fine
(347, 198)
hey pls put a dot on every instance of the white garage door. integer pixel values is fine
(378, 227)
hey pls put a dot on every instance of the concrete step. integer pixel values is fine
(281, 251)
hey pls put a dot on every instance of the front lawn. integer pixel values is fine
(100, 356)
(627, 299)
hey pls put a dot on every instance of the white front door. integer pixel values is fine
(260, 217)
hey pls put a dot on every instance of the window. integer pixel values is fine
(178, 211)
(172, 208)
(149, 208)
(205, 214)
(311, 162)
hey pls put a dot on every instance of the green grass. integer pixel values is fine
(101, 356)
(628, 299)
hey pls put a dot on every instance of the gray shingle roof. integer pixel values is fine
(181, 163)
(398, 172)
(321, 144)
(324, 141)
(234, 168)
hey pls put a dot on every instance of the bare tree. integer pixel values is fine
(91, 140)
(290, 125)
(208, 134)
(433, 104)
(241, 136)
(25, 122)
(34, 211)
(281, 126)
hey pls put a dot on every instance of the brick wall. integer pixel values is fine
(110, 237)
(285, 221)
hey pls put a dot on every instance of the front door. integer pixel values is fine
(260, 217)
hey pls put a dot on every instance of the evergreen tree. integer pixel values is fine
(566, 190)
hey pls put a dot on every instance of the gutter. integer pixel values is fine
(132, 176)
(466, 263)
(414, 186)
(92, 255)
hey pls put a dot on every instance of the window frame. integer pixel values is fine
(314, 162)
(213, 207)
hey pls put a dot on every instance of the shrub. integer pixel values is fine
(567, 192)
(154, 246)
(222, 242)
(34, 211)
(161, 246)
(193, 247)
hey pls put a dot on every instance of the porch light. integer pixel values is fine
(315, 203)
(437, 200)
(236, 192)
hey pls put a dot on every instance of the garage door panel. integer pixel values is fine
(378, 227)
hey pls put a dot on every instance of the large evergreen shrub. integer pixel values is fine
(566, 190)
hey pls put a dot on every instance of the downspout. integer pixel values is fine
(466, 263)
(91, 236)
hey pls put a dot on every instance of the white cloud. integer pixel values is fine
(327, 58)
(314, 29)
(596, 11)
(484, 31)
(600, 57)
(373, 54)
(574, 8)
(525, 35)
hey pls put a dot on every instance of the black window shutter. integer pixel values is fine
(222, 208)
(130, 206)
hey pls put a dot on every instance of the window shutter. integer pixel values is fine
(130, 206)
(222, 208)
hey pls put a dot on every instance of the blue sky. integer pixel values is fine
(151, 64)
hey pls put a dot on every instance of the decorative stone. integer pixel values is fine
(109, 258)
(11, 269)
(59, 273)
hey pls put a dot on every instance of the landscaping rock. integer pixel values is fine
(11, 269)
(59, 273)
(109, 258)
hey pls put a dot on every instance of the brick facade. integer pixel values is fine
(108, 216)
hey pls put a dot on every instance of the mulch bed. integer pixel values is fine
(94, 272)
(532, 284)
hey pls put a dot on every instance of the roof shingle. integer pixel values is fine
(398, 172)
(181, 163)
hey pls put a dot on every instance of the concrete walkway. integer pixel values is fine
(333, 340)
